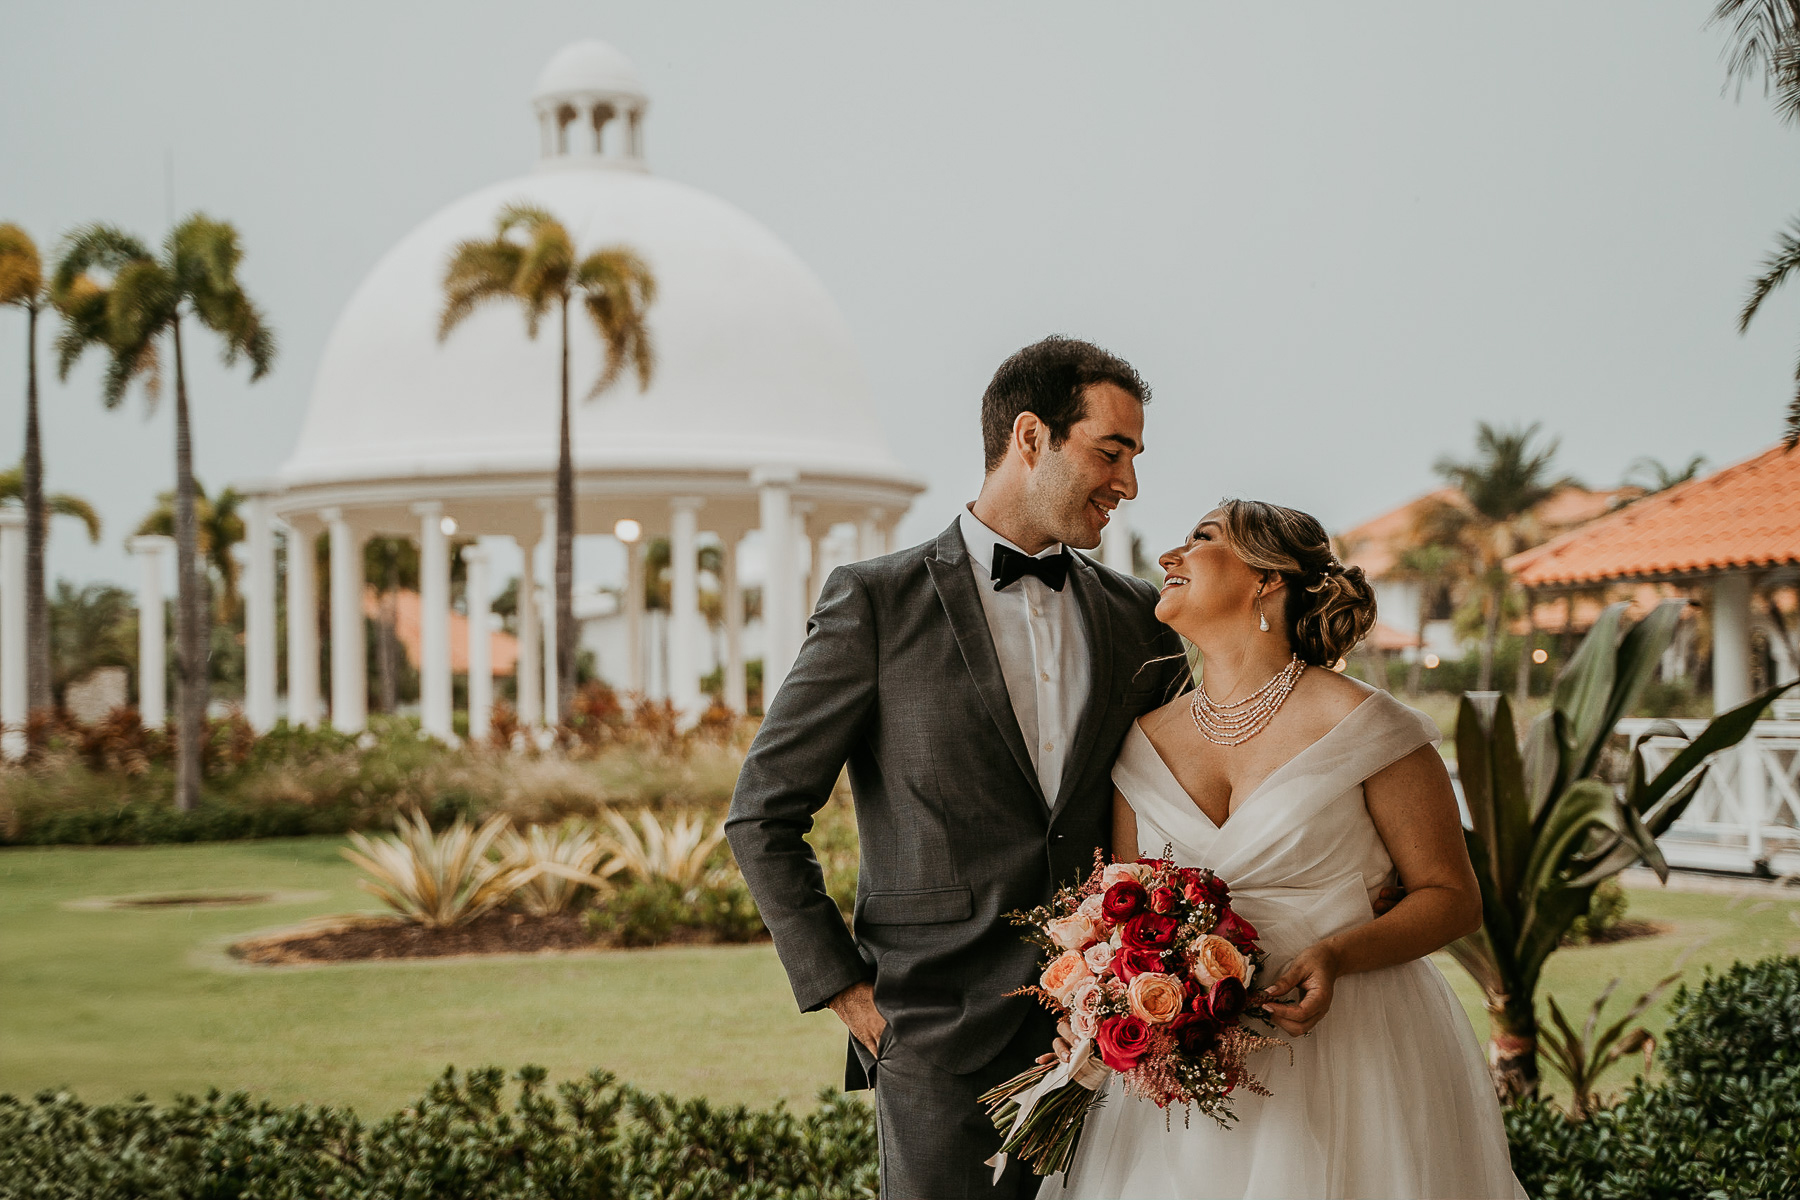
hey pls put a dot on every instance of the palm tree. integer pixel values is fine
(1507, 478)
(93, 626)
(220, 528)
(22, 285)
(1432, 567)
(115, 295)
(1654, 475)
(1765, 44)
(531, 259)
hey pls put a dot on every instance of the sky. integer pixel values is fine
(1333, 237)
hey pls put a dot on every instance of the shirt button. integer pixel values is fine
(1049, 746)
(1045, 675)
(1036, 611)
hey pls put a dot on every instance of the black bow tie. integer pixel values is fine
(1010, 566)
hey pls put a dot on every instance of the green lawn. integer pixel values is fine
(112, 1003)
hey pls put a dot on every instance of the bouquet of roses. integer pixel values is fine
(1149, 969)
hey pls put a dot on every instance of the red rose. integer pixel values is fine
(1216, 889)
(1123, 900)
(1163, 899)
(1225, 1003)
(1149, 931)
(1132, 961)
(1194, 893)
(1198, 1035)
(1236, 930)
(1122, 1041)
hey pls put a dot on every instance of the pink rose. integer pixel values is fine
(1090, 908)
(1215, 959)
(1073, 932)
(1084, 1008)
(1099, 957)
(1064, 972)
(1156, 997)
(1119, 872)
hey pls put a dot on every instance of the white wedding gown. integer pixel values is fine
(1389, 1096)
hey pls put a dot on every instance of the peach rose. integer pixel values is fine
(1064, 972)
(1117, 872)
(1084, 1008)
(1073, 932)
(1215, 959)
(1156, 997)
(1099, 957)
(1090, 908)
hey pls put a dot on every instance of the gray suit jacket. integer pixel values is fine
(898, 678)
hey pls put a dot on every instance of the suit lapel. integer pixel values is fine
(1097, 618)
(968, 621)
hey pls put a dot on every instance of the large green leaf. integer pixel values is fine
(1493, 780)
(1544, 769)
(1639, 653)
(1582, 806)
(1721, 732)
(1499, 918)
(1584, 689)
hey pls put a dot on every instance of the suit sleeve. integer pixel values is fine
(806, 737)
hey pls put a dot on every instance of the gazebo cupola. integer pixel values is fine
(590, 109)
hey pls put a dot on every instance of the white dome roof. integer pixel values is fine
(590, 67)
(754, 365)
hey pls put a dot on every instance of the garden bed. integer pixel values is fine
(365, 939)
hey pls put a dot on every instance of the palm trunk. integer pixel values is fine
(1490, 634)
(565, 545)
(1512, 1047)
(1522, 686)
(1415, 674)
(386, 652)
(190, 615)
(37, 610)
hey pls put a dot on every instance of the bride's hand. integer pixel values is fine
(1314, 974)
(1063, 1046)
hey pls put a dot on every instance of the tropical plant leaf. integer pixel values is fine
(1584, 688)
(1635, 662)
(1543, 760)
(1582, 806)
(1722, 732)
(1487, 758)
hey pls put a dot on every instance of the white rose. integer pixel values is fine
(1099, 957)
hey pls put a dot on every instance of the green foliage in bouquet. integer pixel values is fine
(461, 1141)
(1549, 827)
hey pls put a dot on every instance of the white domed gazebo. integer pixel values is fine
(758, 422)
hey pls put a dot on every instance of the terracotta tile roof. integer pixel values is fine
(1386, 637)
(1747, 515)
(1376, 544)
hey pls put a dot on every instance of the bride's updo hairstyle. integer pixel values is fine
(1330, 607)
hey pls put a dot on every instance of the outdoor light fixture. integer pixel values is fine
(1431, 662)
(448, 525)
(628, 530)
(1540, 656)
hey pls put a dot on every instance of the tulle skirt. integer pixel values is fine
(1388, 1097)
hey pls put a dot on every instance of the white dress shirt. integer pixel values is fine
(1040, 637)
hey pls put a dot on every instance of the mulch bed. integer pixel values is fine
(374, 938)
(1625, 931)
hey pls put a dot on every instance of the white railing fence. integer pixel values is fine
(1746, 816)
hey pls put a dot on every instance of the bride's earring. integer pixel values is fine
(1262, 618)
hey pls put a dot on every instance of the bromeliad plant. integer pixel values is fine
(1549, 828)
(439, 879)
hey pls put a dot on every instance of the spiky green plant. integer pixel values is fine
(678, 854)
(438, 879)
(116, 296)
(565, 857)
(1583, 1057)
(1548, 828)
(531, 260)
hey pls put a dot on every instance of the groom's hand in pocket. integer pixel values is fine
(855, 1007)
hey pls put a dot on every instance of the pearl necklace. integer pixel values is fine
(1236, 723)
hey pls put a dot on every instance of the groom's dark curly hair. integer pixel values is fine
(1050, 379)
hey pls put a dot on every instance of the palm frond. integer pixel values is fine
(480, 271)
(85, 303)
(62, 504)
(1780, 263)
(618, 288)
(1793, 422)
(21, 269)
(1761, 30)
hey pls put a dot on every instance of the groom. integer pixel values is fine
(978, 686)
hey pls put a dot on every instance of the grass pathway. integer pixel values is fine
(115, 1002)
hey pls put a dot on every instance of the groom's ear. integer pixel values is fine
(1030, 437)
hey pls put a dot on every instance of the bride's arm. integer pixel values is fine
(1124, 831)
(1414, 810)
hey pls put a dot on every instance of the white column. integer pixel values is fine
(15, 699)
(1731, 640)
(529, 680)
(435, 694)
(260, 684)
(153, 665)
(349, 653)
(684, 606)
(731, 599)
(481, 641)
(870, 537)
(810, 580)
(781, 582)
(1115, 543)
(635, 682)
(547, 539)
(302, 631)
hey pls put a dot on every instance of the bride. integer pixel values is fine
(1305, 791)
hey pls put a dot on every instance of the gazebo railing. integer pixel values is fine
(1746, 817)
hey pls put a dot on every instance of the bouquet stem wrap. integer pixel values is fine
(1083, 1072)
